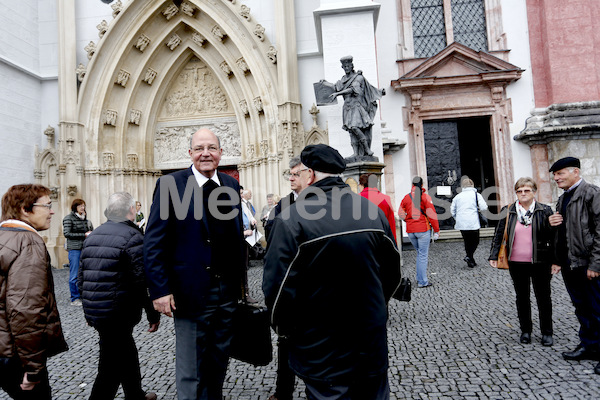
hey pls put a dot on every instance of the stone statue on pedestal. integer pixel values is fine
(360, 106)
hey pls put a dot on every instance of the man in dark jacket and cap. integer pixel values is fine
(113, 288)
(577, 248)
(330, 269)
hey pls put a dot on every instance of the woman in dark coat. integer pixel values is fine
(529, 237)
(76, 228)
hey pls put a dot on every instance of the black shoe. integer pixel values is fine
(597, 369)
(525, 338)
(547, 340)
(470, 262)
(424, 286)
(580, 353)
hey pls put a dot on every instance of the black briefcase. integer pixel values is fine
(251, 341)
(404, 290)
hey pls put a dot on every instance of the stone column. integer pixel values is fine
(348, 28)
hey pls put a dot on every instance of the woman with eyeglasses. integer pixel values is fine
(76, 227)
(30, 329)
(528, 250)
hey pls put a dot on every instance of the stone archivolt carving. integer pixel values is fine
(108, 160)
(250, 153)
(264, 148)
(188, 8)
(81, 71)
(259, 31)
(39, 174)
(171, 144)
(72, 190)
(122, 78)
(258, 104)
(150, 75)
(170, 11)
(242, 65)
(245, 12)
(195, 92)
(132, 161)
(110, 117)
(54, 192)
(102, 28)
(198, 39)
(117, 7)
(50, 132)
(135, 116)
(142, 42)
(244, 107)
(272, 54)
(226, 68)
(218, 32)
(91, 50)
(173, 42)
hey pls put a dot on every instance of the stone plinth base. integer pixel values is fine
(355, 170)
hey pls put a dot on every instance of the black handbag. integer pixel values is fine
(403, 291)
(251, 341)
(483, 221)
(256, 252)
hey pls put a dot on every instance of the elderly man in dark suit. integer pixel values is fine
(194, 258)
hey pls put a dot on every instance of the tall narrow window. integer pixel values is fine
(468, 23)
(429, 30)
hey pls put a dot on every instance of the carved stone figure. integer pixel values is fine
(132, 161)
(117, 7)
(241, 63)
(360, 106)
(226, 68)
(272, 54)
(259, 31)
(258, 104)
(218, 32)
(81, 70)
(102, 28)
(245, 12)
(187, 8)
(108, 160)
(91, 49)
(142, 42)
(122, 78)
(173, 42)
(110, 118)
(150, 75)
(244, 107)
(135, 116)
(170, 11)
(198, 39)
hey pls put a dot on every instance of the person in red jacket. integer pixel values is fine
(418, 212)
(383, 201)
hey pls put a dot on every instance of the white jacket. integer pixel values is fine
(464, 209)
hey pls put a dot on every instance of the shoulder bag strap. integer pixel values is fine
(422, 211)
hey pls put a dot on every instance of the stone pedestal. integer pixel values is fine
(355, 170)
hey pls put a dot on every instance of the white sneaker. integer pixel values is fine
(76, 302)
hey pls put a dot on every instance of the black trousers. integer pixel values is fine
(523, 275)
(286, 379)
(11, 377)
(471, 239)
(585, 295)
(360, 388)
(118, 364)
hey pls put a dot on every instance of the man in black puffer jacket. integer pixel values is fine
(113, 288)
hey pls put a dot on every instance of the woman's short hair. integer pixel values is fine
(526, 181)
(76, 203)
(21, 196)
(466, 182)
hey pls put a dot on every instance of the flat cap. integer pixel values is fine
(323, 158)
(565, 163)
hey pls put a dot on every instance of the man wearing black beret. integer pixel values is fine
(577, 249)
(331, 267)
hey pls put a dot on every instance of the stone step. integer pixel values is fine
(454, 235)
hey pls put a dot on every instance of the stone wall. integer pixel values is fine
(587, 150)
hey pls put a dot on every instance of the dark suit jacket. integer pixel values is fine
(177, 251)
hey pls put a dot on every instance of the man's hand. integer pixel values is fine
(26, 385)
(555, 269)
(555, 219)
(153, 327)
(165, 305)
(592, 274)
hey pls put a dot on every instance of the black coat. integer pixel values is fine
(543, 234)
(111, 276)
(74, 229)
(327, 280)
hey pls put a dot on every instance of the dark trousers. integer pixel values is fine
(202, 347)
(585, 295)
(523, 275)
(360, 388)
(286, 379)
(118, 364)
(11, 376)
(471, 239)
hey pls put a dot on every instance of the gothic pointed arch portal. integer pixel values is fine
(163, 70)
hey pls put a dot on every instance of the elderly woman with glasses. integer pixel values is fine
(30, 329)
(529, 254)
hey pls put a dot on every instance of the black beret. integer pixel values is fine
(323, 158)
(565, 163)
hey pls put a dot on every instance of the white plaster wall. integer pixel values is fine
(19, 33)
(88, 14)
(48, 39)
(514, 14)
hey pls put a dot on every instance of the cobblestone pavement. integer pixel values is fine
(455, 340)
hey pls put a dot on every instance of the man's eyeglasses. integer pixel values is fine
(524, 191)
(211, 149)
(48, 205)
(297, 174)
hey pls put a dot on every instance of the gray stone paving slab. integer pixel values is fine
(455, 340)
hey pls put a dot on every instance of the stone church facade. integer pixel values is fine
(493, 89)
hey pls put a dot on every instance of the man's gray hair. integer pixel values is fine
(119, 205)
(322, 175)
(295, 161)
